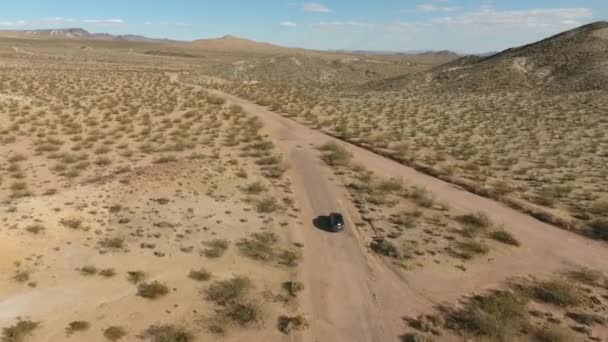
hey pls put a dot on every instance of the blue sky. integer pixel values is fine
(396, 25)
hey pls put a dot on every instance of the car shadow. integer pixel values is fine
(323, 223)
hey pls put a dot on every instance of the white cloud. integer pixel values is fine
(112, 21)
(535, 18)
(429, 8)
(315, 7)
(13, 23)
(288, 24)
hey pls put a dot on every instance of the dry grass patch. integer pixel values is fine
(115, 333)
(288, 324)
(167, 333)
(152, 290)
(216, 248)
(77, 326)
(199, 275)
(19, 331)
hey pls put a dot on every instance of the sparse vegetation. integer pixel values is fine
(152, 290)
(505, 237)
(167, 333)
(216, 248)
(199, 275)
(288, 324)
(114, 333)
(558, 292)
(19, 331)
(77, 326)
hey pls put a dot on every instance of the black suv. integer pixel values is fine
(336, 222)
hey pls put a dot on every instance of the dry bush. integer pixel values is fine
(216, 248)
(77, 326)
(167, 333)
(152, 290)
(114, 333)
(200, 275)
(19, 331)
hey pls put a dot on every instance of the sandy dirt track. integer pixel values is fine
(355, 295)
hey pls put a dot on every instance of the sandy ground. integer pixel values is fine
(354, 294)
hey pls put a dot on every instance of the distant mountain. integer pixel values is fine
(237, 44)
(575, 60)
(77, 33)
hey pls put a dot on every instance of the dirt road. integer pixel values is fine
(356, 296)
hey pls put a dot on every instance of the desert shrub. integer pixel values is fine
(152, 290)
(478, 219)
(496, 316)
(254, 188)
(216, 248)
(21, 276)
(586, 318)
(552, 333)
(335, 155)
(88, 270)
(107, 272)
(288, 258)
(267, 205)
(416, 337)
(215, 100)
(384, 247)
(115, 243)
(470, 248)
(165, 159)
(77, 326)
(504, 237)
(136, 277)
(35, 228)
(428, 324)
(292, 287)
(19, 331)
(242, 314)
(200, 275)
(557, 292)
(599, 208)
(600, 229)
(72, 223)
(228, 291)
(114, 333)
(585, 275)
(259, 246)
(421, 196)
(167, 333)
(288, 324)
